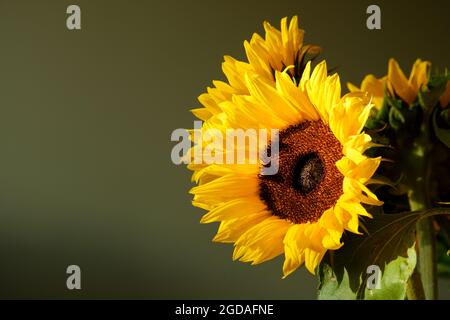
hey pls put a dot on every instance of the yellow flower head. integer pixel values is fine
(318, 192)
(396, 82)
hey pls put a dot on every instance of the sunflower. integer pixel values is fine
(395, 82)
(321, 185)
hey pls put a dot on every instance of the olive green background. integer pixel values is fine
(85, 123)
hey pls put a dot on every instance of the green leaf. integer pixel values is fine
(390, 101)
(438, 78)
(436, 86)
(374, 124)
(393, 281)
(331, 288)
(383, 113)
(396, 118)
(378, 118)
(388, 244)
(395, 115)
(394, 278)
(443, 134)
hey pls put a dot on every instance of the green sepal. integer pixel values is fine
(441, 132)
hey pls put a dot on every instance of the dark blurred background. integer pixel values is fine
(85, 124)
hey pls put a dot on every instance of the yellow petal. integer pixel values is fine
(202, 113)
(262, 242)
(419, 74)
(209, 103)
(227, 187)
(334, 228)
(233, 209)
(313, 259)
(268, 96)
(401, 85)
(293, 248)
(234, 71)
(352, 88)
(297, 98)
(373, 85)
(349, 117)
(323, 91)
(359, 142)
(230, 230)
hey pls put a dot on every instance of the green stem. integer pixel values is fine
(414, 288)
(427, 257)
(419, 200)
(426, 249)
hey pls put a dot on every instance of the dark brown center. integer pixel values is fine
(308, 181)
(308, 173)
